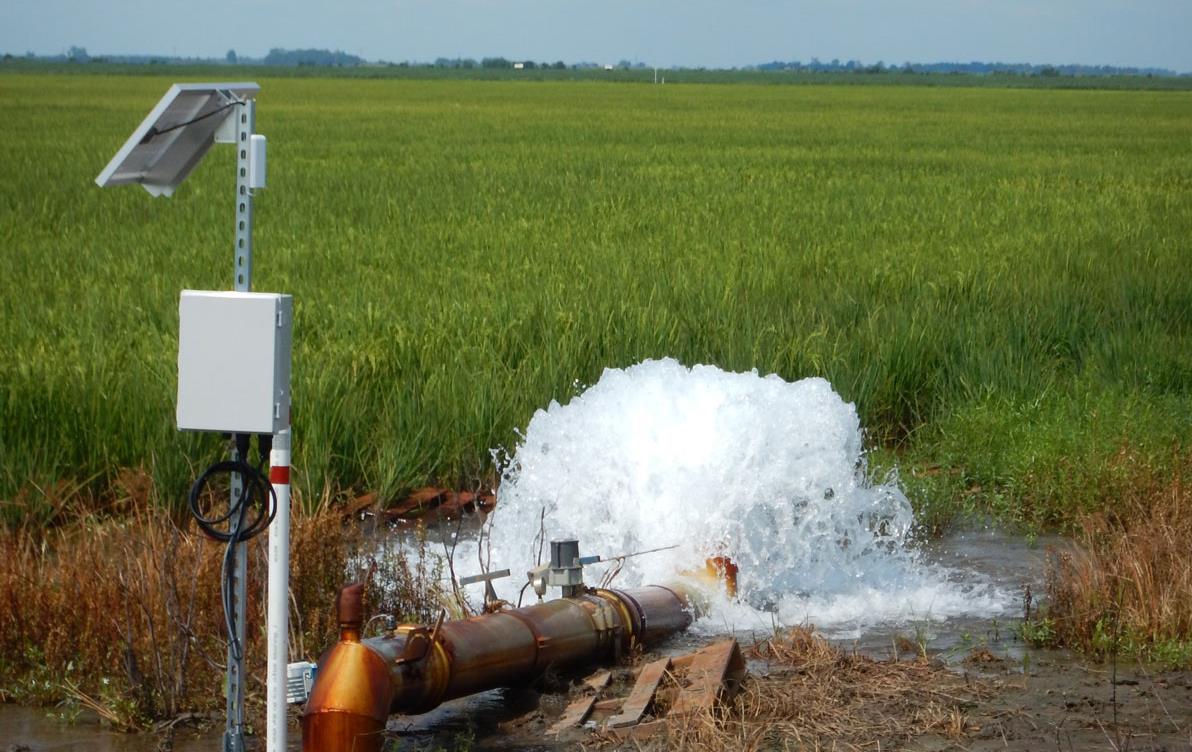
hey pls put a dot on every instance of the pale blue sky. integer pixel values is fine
(713, 33)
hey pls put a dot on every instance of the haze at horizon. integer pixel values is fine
(691, 33)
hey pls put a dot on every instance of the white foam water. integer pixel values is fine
(769, 472)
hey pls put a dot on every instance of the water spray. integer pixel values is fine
(768, 473)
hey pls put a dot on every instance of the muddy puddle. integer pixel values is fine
(1037, 700)
(24, 729)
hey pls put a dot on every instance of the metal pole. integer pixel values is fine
(279, 592)
(233, 740)
(245, 121)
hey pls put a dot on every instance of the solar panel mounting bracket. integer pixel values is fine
(176, 134)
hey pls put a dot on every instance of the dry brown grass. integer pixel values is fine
(812, 696)
(111, 610)
(1127, 584)
(123, 614)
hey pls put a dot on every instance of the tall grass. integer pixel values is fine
(997, 278)
(1126, 587)
(124, 615)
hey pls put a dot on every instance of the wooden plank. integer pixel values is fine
(682, 662)
(599, 680)
(603, 710)
(574, 715)
(707, 676)
(641, 696)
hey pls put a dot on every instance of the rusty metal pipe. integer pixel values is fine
(360, 683)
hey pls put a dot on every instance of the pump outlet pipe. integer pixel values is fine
(415, 667)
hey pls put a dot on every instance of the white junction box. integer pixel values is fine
(234, 361)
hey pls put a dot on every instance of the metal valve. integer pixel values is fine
(491, 601)
(565, 570)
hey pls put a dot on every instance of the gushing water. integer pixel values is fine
(768, 472)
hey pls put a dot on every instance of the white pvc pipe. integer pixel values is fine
(278, 614)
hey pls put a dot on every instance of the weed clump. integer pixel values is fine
(1126, 585)
(123, 616)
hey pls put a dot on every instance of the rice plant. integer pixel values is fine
(996, 277)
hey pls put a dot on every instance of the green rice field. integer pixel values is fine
(998, 278)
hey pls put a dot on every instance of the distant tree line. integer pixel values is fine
(974, 67)
(276, 56)
(337, 58)
(494, 62)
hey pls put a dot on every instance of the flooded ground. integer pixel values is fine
(1058, 703)
(24, 729)
(1039, 700)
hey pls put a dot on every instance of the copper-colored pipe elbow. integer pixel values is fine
(349, 704)
(414, 669)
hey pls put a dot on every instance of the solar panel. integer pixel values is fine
(173, 138)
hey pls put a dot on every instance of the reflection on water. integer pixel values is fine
(39, 730)
(1008, 563)
(476, 720)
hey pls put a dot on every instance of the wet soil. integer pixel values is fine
(1039, 700)
(1052, 701)
(1036, 699)
(1062, 704)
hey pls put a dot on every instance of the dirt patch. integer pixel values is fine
(1065, 703)
(803, 694)
(812, 697)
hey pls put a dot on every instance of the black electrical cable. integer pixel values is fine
(256, 493)
(154, 132)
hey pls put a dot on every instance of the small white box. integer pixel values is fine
(300, 677)
(256, 161)
(234, 361)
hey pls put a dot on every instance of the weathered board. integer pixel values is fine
(713, 669)
(574, 715)
(642, 695)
